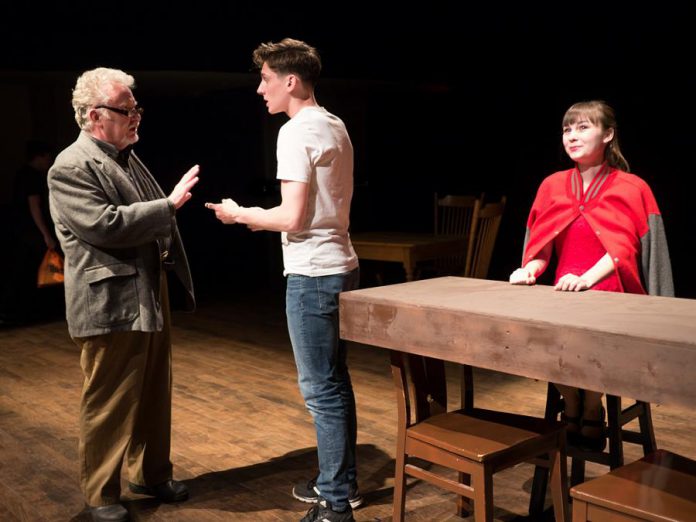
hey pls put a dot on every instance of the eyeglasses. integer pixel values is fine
(130, 113)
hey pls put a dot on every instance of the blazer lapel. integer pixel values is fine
(111, 175)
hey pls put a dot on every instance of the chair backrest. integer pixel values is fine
(484, 231)
(454, 215)
(421, 385)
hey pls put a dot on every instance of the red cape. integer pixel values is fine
(619, 207)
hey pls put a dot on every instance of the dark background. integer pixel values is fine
(455, 100)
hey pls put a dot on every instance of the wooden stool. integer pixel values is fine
(612, 456)
(659, 487)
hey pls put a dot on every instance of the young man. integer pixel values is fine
(315, 168)
(118, 232)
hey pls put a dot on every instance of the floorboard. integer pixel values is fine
(241, 435)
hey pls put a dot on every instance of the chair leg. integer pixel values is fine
(646, 429)
(466, 384)
(559, 485)
(579, 511)
(399, 485)
(616, 457)
(464, 506)
(577, 471)
(538, 497)
(554, 404)
(482, 479)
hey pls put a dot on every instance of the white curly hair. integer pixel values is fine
(91, 89)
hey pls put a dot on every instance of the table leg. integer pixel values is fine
(409, 266)
(408, 269)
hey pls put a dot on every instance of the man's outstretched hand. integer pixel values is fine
(225, 211)
(182, 191)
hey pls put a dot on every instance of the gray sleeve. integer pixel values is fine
(81, 204)
(524, 245)
(656, 266)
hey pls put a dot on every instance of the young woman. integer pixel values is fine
(607, 233)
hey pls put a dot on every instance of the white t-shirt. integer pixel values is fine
(314, 148)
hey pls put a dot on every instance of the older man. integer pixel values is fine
(119, 235)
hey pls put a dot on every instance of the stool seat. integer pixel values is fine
(659, 487)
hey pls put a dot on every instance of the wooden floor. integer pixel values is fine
(241, 435)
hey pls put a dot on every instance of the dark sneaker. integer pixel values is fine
(354, 497)
(322, 512)
(308, 492)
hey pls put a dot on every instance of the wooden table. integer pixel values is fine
(406, 248)
(636, 346)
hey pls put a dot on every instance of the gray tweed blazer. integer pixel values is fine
(109, 235)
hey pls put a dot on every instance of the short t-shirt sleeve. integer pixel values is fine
(294, 154)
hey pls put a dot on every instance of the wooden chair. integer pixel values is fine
(612, 456)
(658, 487)
(474, 442)
(484, 231)
(454, 216)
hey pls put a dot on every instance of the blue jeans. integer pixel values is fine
(320, 356)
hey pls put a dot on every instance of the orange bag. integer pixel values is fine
(50, 270)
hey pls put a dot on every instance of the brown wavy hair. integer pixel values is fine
(290, 56)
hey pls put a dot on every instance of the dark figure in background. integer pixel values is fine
(30, 234)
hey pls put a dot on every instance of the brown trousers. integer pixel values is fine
(125, 409)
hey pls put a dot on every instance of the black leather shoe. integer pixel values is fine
(169, 491)
(110, 513)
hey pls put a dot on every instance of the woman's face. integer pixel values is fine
(585, 141)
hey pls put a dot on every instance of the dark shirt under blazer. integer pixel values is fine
(112, 237)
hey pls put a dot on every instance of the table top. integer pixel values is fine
(642, 347)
